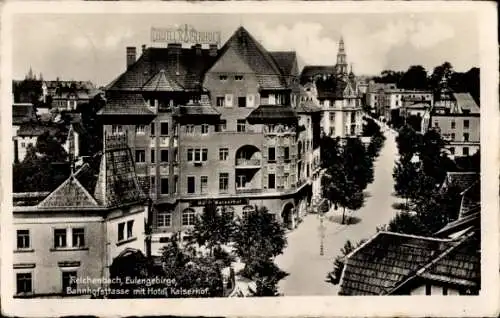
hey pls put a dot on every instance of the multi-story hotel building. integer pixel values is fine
(342, 114)
(77, 230)
(215, 124)
(456, 116)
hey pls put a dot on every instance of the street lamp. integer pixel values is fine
(322, 234)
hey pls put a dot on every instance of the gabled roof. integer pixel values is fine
(265, 113)
(187, 68)
(389, 261)
(125, 103)
(286, 61)
(466, 102)
(462, 180)
(70, 194)
(311, 71)
(162, 83)
(269, 72)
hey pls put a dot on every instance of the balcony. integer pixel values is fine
(248, 163)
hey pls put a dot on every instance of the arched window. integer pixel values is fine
(226, 209)
(246, 210)
(188, 217)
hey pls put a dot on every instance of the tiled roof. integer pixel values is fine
(187, 68)
(471, 199)
(70, 194)
(466, 102)
(286, 61)
(272, 113)
(162, 83)
(462, 180)
(35, 130)
(462, 223)
(385, 261)
(195, 110)
(117, 183)
(307, 106)
(312, 70)
(125, 103)
(22, 113)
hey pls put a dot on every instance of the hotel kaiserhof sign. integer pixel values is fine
(184, 34)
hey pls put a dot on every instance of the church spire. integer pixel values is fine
(341, 66)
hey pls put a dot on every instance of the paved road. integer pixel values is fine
(302, 260)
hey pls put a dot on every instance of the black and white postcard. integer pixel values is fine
(250, 159)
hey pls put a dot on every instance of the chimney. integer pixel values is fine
(131, 56)
(197, 49)
(212, 50)
(174, 48)
(143, 48)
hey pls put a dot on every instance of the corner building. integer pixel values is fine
(216, 124)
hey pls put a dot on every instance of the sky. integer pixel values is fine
(92, 46)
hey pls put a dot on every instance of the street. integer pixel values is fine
(301, 259)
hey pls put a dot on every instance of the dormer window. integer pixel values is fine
(152, 102)
(238, 77)
(223, 77)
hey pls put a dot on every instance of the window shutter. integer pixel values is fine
(265, 154)
(264, 178)
(250, 100)
(229, 100)
(293, 151)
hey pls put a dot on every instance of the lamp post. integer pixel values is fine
(322, 235)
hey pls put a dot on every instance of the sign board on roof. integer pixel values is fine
(184, 34)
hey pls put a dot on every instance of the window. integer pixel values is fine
(428, 289)
(190, 129)
(152, 126)
(153, 184)
(445, 291)
(121, 230)
(164, 186)
(153, 156)
(250, 100)
(452, 136)
(287, 153)
(23, 283)
(280, 99)
(23, 239)
(140, 129)
(223, 153)
(452, 150)
(332, 131)
(78, 237)
(68, 282)
(271, 99)
(176, 179)
(164, 218)
(188, 217)
(466, 123)
(219, 101)
(222, 126)
(140, 156)
(164, 128)
(241, 125)
(204, 184)
(223, 181)
(285, 180)
(164, 155)
(223, 77)
(190, 185)
(242, 102)
(238, 77)
(332, 117)
(190, 154)
(271, 181)
(453, 124)
(271, 154)
(228, 102)
(466, 136)
(116, 129)
(152, 102)
(241, 181)
(204, 154)
(204, 129)
(465, 151)
(59, 238)
(130, 227)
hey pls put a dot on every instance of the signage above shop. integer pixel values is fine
(184, 34)
(219, 202)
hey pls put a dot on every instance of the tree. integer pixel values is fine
(258, 238)
(406, 223)
(435, 162)
(213, 228)
(339, 261)
(440, 76)
(92, 139)
(133, 264)
(405, 173)
(357, 163)
(330, 151)
(267, 279)
(414, 78)
(407, 141)
(370, 127)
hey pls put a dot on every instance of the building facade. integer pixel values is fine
(78, 229)
(457, 119)
(214, 124)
